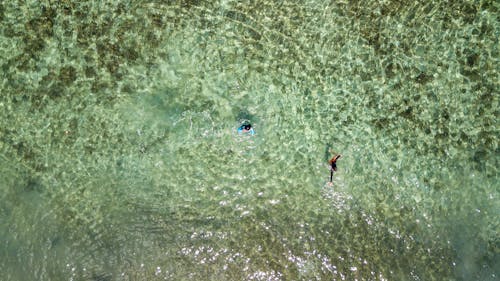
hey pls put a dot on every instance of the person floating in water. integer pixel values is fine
(246, 128)
(333, 167)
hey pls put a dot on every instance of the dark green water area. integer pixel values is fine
(120, 160)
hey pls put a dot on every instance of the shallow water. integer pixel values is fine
(121, 161)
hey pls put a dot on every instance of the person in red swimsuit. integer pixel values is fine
(333, 167)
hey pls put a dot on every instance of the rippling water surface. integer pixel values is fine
(120, 158)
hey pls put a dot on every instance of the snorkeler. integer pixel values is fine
(246, 128)
(333, 167)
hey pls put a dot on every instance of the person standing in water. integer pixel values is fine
(333, 167)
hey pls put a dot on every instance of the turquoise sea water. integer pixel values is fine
(120, 158)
